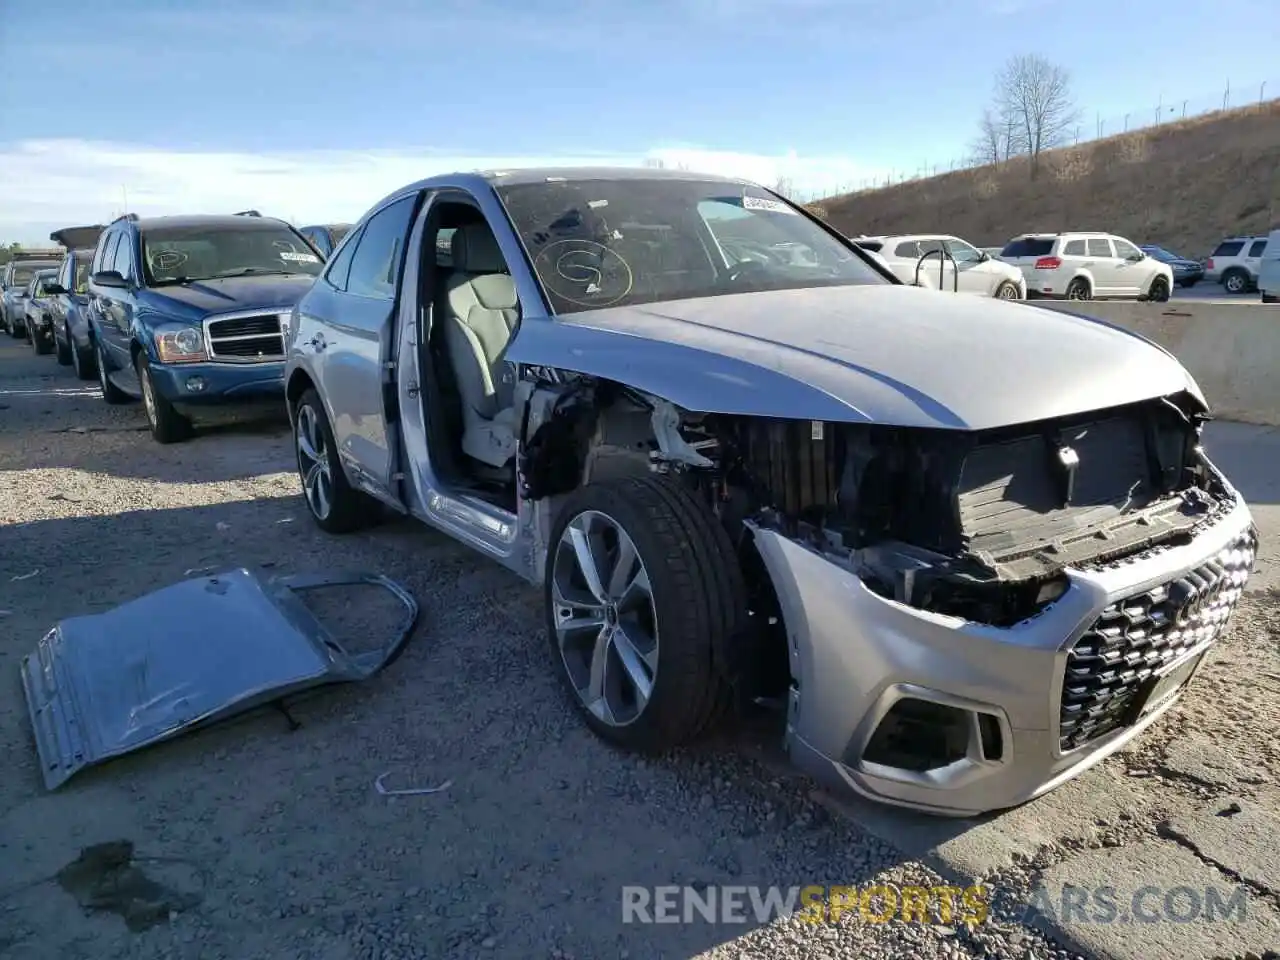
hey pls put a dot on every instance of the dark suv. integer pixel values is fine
(69, 300)
(189, 312)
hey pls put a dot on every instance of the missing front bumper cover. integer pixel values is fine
(184, 656)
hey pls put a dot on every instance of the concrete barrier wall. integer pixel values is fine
(1232, 349)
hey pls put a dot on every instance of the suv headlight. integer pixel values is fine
(180, 345)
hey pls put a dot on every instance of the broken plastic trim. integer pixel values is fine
(185, 656)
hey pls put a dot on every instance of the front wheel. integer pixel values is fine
(42, 344)
(110, 392)
(167, 424)
(642, 587)
(1159, 291)
(335, 505)
(1008, 290)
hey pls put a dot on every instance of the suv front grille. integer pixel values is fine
(1133, 639)
(246, 338)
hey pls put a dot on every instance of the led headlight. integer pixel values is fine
(181, 345)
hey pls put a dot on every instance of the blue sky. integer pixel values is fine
(313, 109)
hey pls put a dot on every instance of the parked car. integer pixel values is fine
(1269, 269)
(69, 299)
(1088, 266)
(944, 262)
(1235, 263)
(928, 527)
(13, 284)
(325, 236)
(186, 313)
(1186, 272)
(37, 322)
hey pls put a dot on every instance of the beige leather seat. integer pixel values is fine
(480, 315)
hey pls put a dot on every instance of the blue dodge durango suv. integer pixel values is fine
(190, 312)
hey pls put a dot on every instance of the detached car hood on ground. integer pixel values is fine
(887, 354)
(232, 293)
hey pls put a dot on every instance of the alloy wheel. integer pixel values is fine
(148, 396)
(605, 621)
(313, 462)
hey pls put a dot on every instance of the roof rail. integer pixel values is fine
(247, 213)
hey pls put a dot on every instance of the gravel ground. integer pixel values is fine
(275, 842)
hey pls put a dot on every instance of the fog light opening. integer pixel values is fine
(991, 738)
(196, 384)
(919, 736)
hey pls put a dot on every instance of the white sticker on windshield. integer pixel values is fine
(763, 203)
(299, 257)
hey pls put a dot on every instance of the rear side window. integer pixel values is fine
(1074, 248)
(1028, 247)
(907, 250)
(1099, 247)
(1257, 248)
(1229, 248)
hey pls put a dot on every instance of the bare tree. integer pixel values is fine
(1033, 97)
(785, 187)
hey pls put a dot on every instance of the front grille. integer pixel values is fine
(1133, 639)
(246, 338)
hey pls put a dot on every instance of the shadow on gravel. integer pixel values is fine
(531, 848)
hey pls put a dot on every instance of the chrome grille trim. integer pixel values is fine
(238, 347)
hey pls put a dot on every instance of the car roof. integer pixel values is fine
(543, 174)
(181, 221)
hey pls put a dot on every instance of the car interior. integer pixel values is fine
(469, 403)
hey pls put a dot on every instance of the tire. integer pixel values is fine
(85, 367)
(167, 424)
(1008, 290)
(696, 604)
(1235, 281)
(42, 346)
(1158, 292)
(110, 392)
(348, 509)
(64, 348)
(1078, 289)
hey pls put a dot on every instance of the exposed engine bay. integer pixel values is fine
(979, 525)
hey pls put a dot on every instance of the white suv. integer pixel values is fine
(1235, 263)
(1088, 266)
(967, 270)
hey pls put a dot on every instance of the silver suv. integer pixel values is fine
(1235, 263)
(1087, 266)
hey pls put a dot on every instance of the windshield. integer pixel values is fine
(605, 243)
(1160, 253)
(43, 278)
(23, 272)
(205, 252)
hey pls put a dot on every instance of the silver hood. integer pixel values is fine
(896, 355)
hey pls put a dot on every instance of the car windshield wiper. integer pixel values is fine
(178, 281)
(248, 271)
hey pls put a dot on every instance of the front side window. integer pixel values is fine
(1125, 249)
(182, 254)
(962, 252)
(603, 243)
(107, 255)
(375, 265)
(123, 263)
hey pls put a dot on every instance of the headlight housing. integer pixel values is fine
(180, 345)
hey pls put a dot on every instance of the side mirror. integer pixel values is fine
(1135, 257)
(983, 256)
(54, 289)
(110, 278)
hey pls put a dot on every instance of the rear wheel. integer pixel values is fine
(64, 347)
(1236, 281)
(335, 505)
(167, 424)
(642, 587)
(1078, 289)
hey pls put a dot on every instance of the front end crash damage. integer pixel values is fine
(964, 618)
(190, 654)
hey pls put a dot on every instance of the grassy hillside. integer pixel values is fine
(1184, 185)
